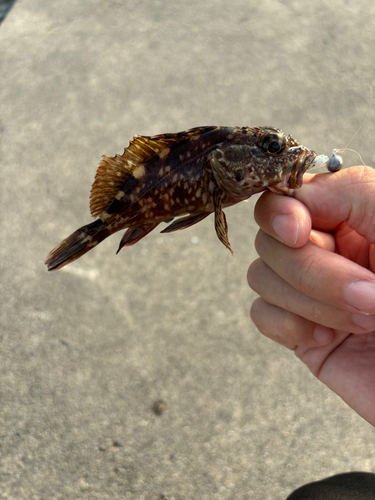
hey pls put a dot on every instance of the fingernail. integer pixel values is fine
(286, 227)
(366, 322)
(361, 295)
(322, 334)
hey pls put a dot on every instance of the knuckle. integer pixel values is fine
(254, 274)
(256, 312)
(258, 242)
(288, 324)
(309, 272)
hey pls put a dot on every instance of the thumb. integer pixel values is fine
(345, 196)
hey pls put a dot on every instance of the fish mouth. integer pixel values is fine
(298, 168)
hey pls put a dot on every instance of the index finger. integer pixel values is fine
(284, 218)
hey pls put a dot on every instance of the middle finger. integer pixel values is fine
(316, 272)
(276, 291)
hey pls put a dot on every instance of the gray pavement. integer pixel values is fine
(87, 351)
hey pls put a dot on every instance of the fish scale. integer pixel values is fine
(184, 176)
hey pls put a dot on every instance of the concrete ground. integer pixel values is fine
(87, 352)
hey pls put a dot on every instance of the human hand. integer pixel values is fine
(315, 277)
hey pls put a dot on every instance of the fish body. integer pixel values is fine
(187, 175)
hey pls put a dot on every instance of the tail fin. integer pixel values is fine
(76, 245)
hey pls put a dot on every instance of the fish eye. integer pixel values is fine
(272, 144)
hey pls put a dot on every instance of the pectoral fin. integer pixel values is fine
(184, 222)
(221, 225)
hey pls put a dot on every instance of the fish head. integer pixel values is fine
(257, 159)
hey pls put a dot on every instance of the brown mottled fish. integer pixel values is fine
(188, 175)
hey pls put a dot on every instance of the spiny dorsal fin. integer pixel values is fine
(114, 171)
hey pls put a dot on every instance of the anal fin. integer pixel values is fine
(134, 234)
(184, 222)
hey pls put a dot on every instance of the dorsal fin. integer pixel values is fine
(114, 171)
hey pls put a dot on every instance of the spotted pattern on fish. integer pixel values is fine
(188, 176)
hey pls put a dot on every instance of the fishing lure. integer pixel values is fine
(334, 163)
(187, 175)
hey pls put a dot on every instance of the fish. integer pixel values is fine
(181, 178)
